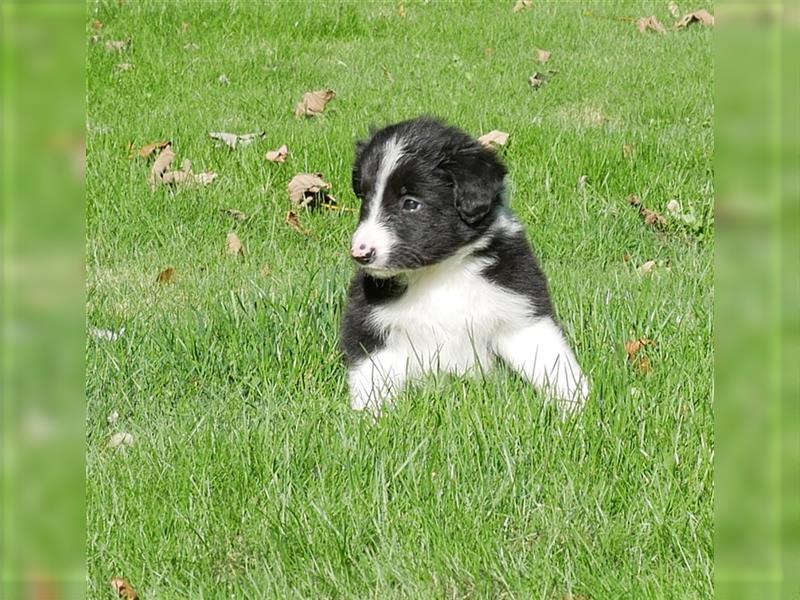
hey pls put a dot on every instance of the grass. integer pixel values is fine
(250, 476)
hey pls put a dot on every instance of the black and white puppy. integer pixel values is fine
(447, 279)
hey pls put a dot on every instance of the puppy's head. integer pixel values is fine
(426, 190)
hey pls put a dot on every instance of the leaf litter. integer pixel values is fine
(234, 214)
(233, 245)
(634, 350)
(521, 5)
(160, 173)
(542, 56)
(233, 140)
(293, 221)
(650, 217)
(702, 16)
(167, 275)
(494, 139)
(314, 103)
(310, 190)
(278, 156)
(124, 589)
(650, 23)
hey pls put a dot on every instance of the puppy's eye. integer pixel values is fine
(411, 205)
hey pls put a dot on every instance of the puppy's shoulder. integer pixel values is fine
(512, 263)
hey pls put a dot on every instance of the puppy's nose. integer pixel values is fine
(363, 254)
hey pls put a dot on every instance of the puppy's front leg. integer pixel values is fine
(540, 353)
(376, 380)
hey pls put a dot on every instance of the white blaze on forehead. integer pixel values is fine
(372, 233)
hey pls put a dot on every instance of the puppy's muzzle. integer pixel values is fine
(363, 254)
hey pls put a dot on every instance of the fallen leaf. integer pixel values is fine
(633, 348)
(112, 417)
(653, 218)
(313, 103)
(294, 222)
(308, 190)
(97, 25)
(647, 267)
(582, 180)
(161, 165)
(401, 10)
(147, 151)
(265, 271)
(106, 334)
(388, 74)
(205, 177)
(279, 155)
(233, 140)
(542, 55)
(701, 16)
(674, 10)
(121, 439)
(234, 245)
(118, 45)
(626, 257)
(537, 80)
(522, 5)
(494, 138)
(184, 27)
(650, 217)
(126, 66)
(488, 51)
(650, 24)
(191, 46)
(94, 39)
(166, 276)
(237, 215)
(124, 589)
(674, 207)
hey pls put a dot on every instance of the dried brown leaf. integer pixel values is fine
(653, 218)
(293, 221)
(647, 267)
(674, 207)
(234, 245)
(634, 200)
(124, 589)
(147, 150)
(161, 165)
(542, 55)
(118, 45)
(97, 25)
(233, 140)
(234, 214)
(537, 80)
(309, 190)
(279, 155)
(191, 46)
(702, 16)
(184, 27)
(166, 276)
(121, 439)
(521, 5)
(632, 347)
(494, 138)
(650, 24)
(674, 10)
(401, 10)
(124, 66)
(313, 103)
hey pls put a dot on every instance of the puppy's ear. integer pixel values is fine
(477, 177)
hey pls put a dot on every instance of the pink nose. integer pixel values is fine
(363, 254)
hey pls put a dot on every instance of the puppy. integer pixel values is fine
(447, 280)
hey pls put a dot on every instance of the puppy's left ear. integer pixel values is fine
(477, 176)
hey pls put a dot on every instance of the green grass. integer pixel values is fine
(250, 476)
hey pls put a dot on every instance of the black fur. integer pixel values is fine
(460, 185)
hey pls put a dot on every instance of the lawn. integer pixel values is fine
(249, 476)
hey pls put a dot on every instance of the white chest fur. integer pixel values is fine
(449, 318)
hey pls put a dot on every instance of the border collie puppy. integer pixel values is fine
(447, 280)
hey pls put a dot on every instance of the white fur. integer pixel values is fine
(451, 319)
(372, 233)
